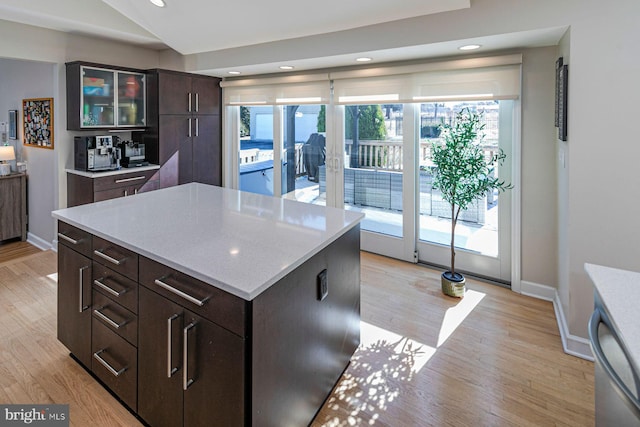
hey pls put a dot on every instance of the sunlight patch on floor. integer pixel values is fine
(456, 315)
(399, 345)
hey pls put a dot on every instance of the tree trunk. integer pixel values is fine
(454, 219)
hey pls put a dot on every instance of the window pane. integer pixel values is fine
(373, 148)
(477, 228)
(256, 149)
(304, 153)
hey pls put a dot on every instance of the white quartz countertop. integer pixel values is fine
(619, 291)
(121, 171)
(239, 242)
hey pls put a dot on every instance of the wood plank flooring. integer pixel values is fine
(493, 358)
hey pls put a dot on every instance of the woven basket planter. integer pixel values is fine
(453, 288)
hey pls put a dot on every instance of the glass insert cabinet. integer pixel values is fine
(99, 98)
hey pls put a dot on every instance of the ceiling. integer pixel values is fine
(231, 31)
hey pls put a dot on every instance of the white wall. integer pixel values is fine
(538, 168)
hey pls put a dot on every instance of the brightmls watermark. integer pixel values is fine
(36, 415)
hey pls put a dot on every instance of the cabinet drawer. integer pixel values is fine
(73, 237)
(115, 362)
(206, 300)
(115, 317)
(114, 193)
(116, 257)
(130, 179)
(122, 290)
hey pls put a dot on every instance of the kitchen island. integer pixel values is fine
(199, 305)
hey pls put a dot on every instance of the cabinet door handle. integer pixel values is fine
(108, 258)
(197, 126)
(126, 193)
(104, 363)
(81, 306)
(189, 107)
(186, 381)
(68, 239)
(197, 102)
(189, 134)
(170, 368)
(134, 178)
(107, 319)
(196, 301)
(108, 288)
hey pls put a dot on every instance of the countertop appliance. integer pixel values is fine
(133, 154)
(617, 384)
(95, 153)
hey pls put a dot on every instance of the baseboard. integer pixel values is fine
(38, 242)
(572, 344)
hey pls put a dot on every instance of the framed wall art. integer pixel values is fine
(37, 116)
(13, 124)
(562, 81)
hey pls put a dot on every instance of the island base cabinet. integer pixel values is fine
(74, 303)
(191, 371)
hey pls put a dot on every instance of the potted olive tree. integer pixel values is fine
(462, 174)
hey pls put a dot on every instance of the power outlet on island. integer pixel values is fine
(323, 286)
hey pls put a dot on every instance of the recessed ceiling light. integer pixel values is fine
(233, 72)
(159, 3)
(286, 67)
(469, 47)
(364, 59)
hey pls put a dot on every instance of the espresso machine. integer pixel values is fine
(132, 154)
(96, 153)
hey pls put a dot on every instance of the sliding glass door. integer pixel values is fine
(361, 140)
(483, 231)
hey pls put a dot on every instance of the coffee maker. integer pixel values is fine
(133, 154)
(95, 153)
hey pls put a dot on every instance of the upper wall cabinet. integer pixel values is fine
(104, 97)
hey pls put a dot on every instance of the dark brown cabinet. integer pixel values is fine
(182, 352)
(104, 97)
(74, 291)
(83, 189)
(13, 206)
(191, 371)
(184, 129)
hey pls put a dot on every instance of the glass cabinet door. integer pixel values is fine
(97, 100)
(131, 107)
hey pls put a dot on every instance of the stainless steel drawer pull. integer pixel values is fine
(81, 306)
(133, 178)
(110, 259)
(197, 102)
(104, 363)
(68, 239)
(189, 133)
(196, 301)
(186, 381)
(197, 127)
(189, 102)
(100, 315)
(108, 288)
(170, 368)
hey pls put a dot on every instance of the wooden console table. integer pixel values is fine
(13, 206)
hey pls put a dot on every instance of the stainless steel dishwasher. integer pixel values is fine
(617, 386)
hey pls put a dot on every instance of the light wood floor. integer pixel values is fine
(493, 358)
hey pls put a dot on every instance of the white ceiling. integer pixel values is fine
(228, 34)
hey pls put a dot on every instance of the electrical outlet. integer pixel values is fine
(323, 286)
